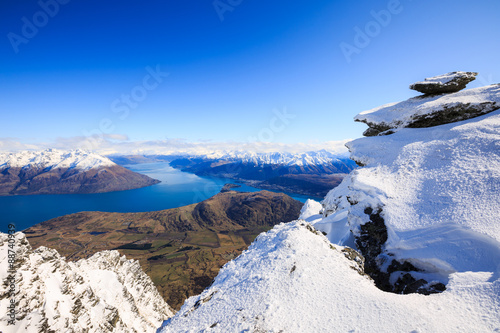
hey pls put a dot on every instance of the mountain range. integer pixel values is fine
(311, 173)
(57, 172)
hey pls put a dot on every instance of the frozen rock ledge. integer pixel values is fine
(446, 83)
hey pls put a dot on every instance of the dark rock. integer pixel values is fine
(452, 113)
(446, 83)
(371, 241)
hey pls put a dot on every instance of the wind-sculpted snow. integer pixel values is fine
(292, 279)
(105, 293)
(53, 158)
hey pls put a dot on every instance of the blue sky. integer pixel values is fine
(238, 71)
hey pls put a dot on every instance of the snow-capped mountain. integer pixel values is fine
(312, 173)
(423, 212)
(311, 158)
(55, 171)
(105, 293)
(54, 158)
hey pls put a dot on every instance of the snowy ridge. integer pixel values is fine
(320, 157)
(435, 186)
(291, 279)
(54, 158)
(105, 293)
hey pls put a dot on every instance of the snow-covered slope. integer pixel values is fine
(424, 212)
(437, 190)
(54, 158)
(292, 279)
(105, 293)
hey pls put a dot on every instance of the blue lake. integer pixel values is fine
(176, 189)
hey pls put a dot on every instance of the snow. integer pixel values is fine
(438, 190)
(105, 293)
(445, 78)
(401, 114)
(311, 210)
(53, 158)
(292, 280)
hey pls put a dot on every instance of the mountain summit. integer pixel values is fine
(414, 238)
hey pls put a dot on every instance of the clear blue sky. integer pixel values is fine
(226, 76)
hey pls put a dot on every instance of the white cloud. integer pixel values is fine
(120, 145)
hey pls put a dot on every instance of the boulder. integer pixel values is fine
(446, 83)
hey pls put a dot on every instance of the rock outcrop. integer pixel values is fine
(430, 110)
(446, 83)
(424, 194)
(105, 293)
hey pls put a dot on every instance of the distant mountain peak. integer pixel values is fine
(55, 158)
(53, 171)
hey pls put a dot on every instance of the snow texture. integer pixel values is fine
(105, 293)
(292, 279)
(311, 210)
(53, 158)
(402, 114)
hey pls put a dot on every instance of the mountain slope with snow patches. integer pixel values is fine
(55, 171)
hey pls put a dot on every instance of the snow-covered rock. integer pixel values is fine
(105, 293)
(437, 193)
(292, 279)
(426, 111)
(446, 83)
(54, 158)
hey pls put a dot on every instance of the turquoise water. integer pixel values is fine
(176, 189)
